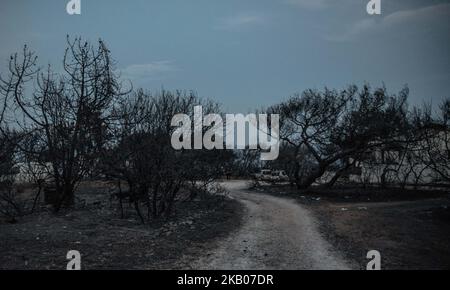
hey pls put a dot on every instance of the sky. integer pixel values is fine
(248, 54)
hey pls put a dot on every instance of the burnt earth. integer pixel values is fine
(42, 240)
(410, 228)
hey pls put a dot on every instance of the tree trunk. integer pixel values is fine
(338, 174)
(66, 197)
(311, 178)
(334, 178)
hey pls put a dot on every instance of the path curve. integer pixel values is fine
(276, 233)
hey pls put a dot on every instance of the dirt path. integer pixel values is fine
(277, 233)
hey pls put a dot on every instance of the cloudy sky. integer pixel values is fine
(248, 53)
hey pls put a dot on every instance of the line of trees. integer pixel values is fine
(82, 123)
(337, 131)
(65, 127)
(141, 154)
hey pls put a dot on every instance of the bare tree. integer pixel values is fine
(10, 206)
(436, 141)
(143, 158)
(246, 162)
(326, 128)
(69, 113)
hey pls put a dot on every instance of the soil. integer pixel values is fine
(276, 233)
(410, 228)
(42, 240)
(268, 227)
